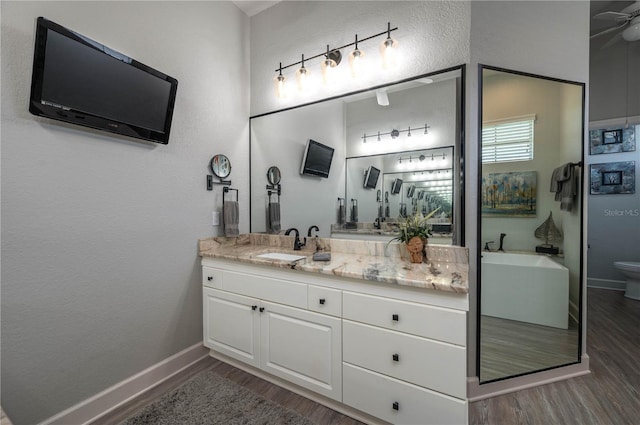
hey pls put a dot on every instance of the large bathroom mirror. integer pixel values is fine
(530, 223)
(411, 131)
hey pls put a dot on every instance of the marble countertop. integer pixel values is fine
(446, 267)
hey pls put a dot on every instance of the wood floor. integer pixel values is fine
(610, 395)
(509, 347)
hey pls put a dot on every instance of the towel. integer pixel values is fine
(274, 217)
(387, 212)
(354, 213)
(564, 182)
(231, 217)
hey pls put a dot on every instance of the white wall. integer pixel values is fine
(100, 273)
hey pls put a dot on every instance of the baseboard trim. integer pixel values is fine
(102, 403)
(476, 392)
(325, 401)
(616, 285)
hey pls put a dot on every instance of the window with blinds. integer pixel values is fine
(508, 141)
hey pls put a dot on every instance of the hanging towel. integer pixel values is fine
(231, 216)
(564, 182)
(354, 213)
(342, 217)
(274, 216)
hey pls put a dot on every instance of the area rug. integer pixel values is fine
(211, 399)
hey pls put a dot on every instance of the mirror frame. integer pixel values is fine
(481, 68)
(461, 138)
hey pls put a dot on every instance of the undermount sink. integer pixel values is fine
(280, 256)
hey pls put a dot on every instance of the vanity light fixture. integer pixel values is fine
(279, 82)
(355, 60)
(332, 58)
(302, 76)
(395, 133)
(388, 49)
(411, 158)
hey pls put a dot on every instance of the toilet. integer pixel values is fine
(631, 270)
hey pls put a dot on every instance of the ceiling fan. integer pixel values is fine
(628, 17)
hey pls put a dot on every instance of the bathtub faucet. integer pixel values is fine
(486, 246)
(502, 235)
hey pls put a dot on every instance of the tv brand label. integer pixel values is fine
(622, 213)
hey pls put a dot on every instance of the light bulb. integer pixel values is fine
(302, 77)
(279, 83)
(328, 72)
(355, 60)
(388, 49)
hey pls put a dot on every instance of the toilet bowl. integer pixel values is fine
(631, 270)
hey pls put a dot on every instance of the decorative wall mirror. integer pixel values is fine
(533, 322)
(220, 166)
(424, 113)
(273, 175)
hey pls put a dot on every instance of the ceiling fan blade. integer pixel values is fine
(612, 16)
(608, 30)
(615, 39)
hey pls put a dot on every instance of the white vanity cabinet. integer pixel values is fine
(394, 353)
(404, 362)
(287, 341)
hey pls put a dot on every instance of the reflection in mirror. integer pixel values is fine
(423, 114)
(414, 182)
(530, 194)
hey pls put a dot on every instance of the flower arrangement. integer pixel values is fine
(415, 225)
(413, 232)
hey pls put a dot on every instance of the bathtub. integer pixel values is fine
(525, 287)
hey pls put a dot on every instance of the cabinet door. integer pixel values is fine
(302, 347)
(232, 325)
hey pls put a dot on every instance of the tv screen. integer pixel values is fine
(371, 177)
(396, 186)
(80, 81)
(316, 160)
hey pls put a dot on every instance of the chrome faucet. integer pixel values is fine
(486, 246)
(502, 235)
(296, 242)
(376, 223)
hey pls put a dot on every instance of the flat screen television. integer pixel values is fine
(371, 177)
(396, 186)
(316, 160)
(83, 82)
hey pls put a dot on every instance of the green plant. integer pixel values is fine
(415, 225)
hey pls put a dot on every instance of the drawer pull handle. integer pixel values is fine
(322, 301)
(396, 405)
(396, 357)
(261, 309)
(209, 278)
(254, 307)
(395, 317)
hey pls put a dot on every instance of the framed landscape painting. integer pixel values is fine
(509, 194)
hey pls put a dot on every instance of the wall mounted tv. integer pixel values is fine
(80, 81)
(316, 160)
(396, 186)
(371, 177)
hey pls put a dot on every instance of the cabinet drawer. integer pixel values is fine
(211, 277)
(264, 288)
(428, 363)
(438, 323)
(399, 402)
(325, 300)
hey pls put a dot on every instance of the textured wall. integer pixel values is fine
(100, 273)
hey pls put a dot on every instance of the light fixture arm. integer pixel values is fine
(397, 132)
(387, 32)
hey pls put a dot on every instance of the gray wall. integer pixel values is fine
(614, 224)
(100, 272)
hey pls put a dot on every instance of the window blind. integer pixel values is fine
(508, 141)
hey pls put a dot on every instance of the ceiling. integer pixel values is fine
(253, 7)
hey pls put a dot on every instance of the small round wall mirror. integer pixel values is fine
(220, 166)
(273, 175)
